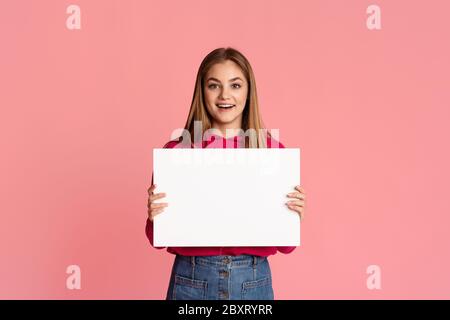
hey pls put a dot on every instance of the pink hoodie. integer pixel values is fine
(217, 141)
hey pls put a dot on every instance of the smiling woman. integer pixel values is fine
(225, 95)
(224, 101)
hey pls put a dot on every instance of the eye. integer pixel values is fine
(212, 86)
(236, 85)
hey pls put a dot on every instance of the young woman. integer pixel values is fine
(225, 103)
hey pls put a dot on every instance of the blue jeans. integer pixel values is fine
(243, 277)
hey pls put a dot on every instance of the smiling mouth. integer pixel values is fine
(225, 106)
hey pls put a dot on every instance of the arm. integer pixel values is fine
(149, 233)
(149, 223)
(149, 229)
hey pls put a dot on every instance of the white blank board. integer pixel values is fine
(226, 197)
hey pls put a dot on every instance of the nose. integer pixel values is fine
(224, 93)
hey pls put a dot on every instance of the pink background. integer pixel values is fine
(82, 110)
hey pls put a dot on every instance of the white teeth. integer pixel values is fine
(225, 105)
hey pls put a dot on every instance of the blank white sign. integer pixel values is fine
(226, 197)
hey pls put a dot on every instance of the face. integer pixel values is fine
(225, 93)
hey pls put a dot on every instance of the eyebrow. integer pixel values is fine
(214, 79)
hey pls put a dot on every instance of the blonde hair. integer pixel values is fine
(251, 119)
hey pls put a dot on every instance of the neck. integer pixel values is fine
(227, 131)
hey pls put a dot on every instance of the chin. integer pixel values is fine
(225, 120)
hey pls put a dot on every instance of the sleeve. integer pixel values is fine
(286, 250)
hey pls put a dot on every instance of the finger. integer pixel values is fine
(156, 196)
(152, 199)
(299, 210)
(299, 203)
(296, 208)
(158, 205)
(152, 187)
(154, 213)
(297, 195)
(299, 188)
(157, 211)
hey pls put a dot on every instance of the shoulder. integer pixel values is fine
(176, 143)
(171, 144)
(274, 143)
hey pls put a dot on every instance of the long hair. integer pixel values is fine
(251, 118)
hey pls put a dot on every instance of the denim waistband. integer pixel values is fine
(220, 261)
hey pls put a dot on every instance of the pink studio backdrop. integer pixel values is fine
(81, 111)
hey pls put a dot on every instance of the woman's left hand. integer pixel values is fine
(297, 205)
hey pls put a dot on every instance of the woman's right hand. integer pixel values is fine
(155, 208)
